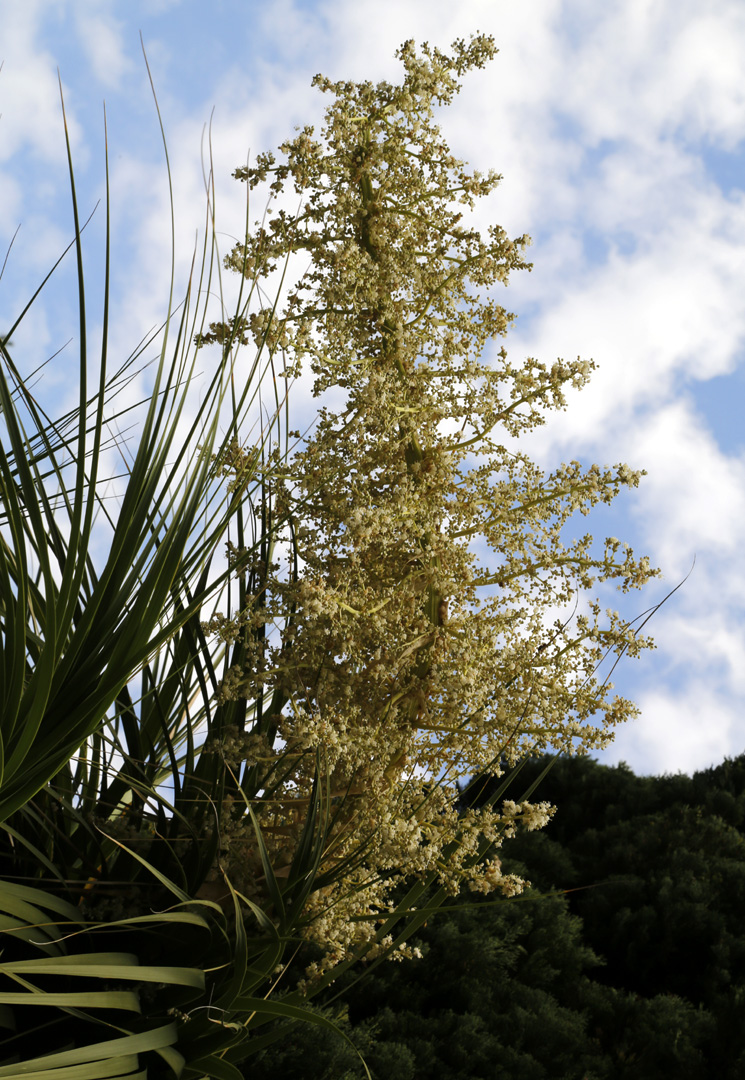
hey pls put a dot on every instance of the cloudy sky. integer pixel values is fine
(618, 128)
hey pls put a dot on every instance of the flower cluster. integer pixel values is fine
(400, 655)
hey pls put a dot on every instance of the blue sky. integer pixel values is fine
(618, 128)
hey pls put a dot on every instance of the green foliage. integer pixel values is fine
(636, 972)
(117, 958)
(507, 990)
(668, 873)
(659, 868)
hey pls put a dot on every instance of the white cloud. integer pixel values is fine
(639, 68)
(679, 732)
(694, 493)
(29, 90)
(598, 116)
(102, 40)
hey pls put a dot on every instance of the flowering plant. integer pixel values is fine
(187, 792)
(396, 655)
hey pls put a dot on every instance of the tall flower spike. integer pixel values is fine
(402, 656)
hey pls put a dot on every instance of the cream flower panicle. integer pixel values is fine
(400, 654)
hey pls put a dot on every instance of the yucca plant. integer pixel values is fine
(207, 761)
(116, 960)
(403, 658)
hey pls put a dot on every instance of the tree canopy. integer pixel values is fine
(636, 971)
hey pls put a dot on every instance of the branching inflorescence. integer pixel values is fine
(400, 656)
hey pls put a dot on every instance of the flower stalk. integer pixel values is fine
(394, 656)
